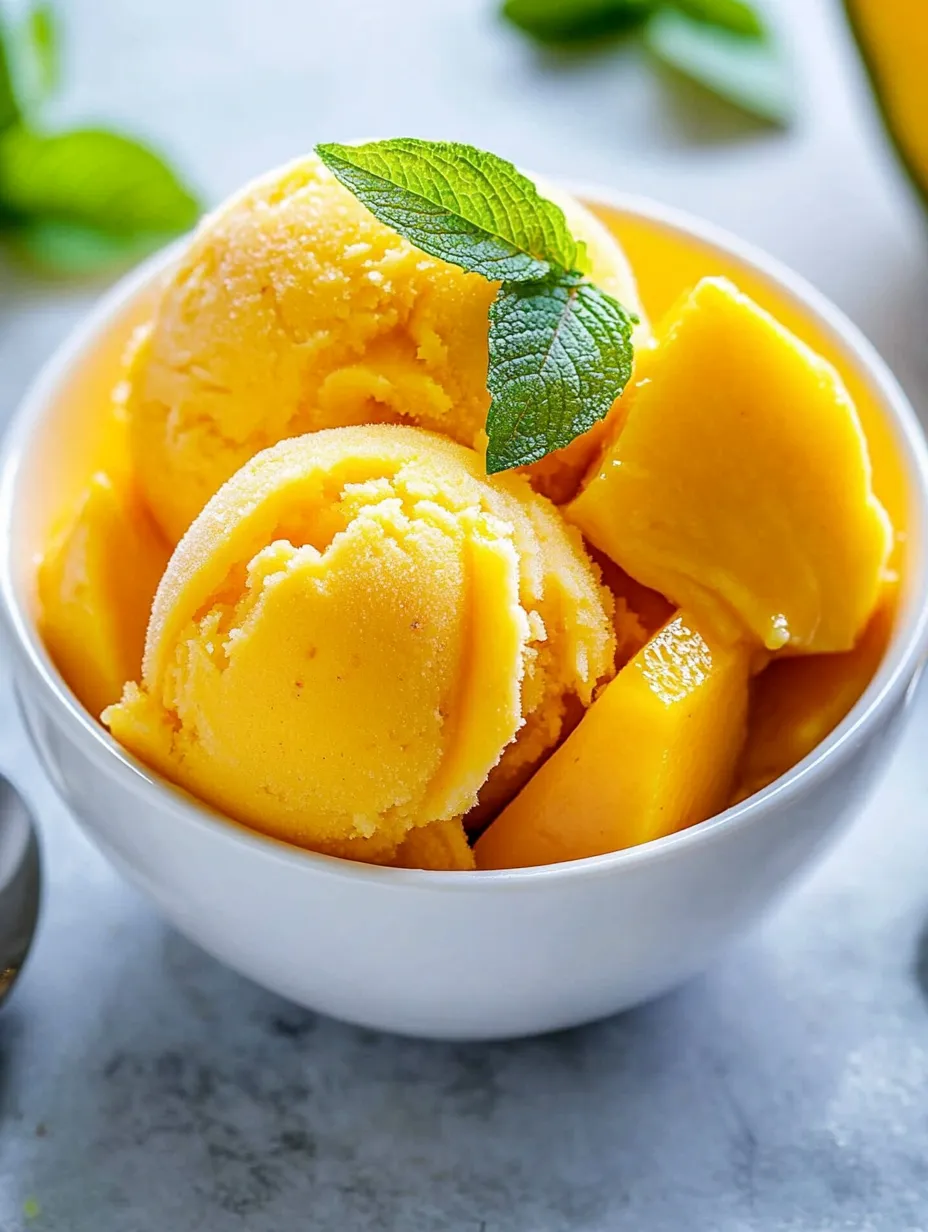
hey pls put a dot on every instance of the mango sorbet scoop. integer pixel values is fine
(294, 309)
(360, 635)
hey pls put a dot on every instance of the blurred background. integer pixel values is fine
(144, 1087)
(227, 88)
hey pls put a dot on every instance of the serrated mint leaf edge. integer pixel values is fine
(455, 240)
(500, 454)
(496, 256)
(490, 175)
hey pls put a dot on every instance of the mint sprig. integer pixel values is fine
(460, 204)
(560, 349)
(79, 200)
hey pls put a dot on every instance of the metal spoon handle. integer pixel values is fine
(20, 884)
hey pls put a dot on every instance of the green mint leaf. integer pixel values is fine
(560, 355)
(94, 178)
(567, 21)
(734, 15)
(70, 248)
(747, 71)
(459, 204)
(560, 350)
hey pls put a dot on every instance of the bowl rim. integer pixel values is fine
(900, 665)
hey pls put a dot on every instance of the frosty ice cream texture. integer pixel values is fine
(359, 633)
(294, 309)
(362, 639)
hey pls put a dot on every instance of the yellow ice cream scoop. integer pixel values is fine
(358, 632)
(294, 309)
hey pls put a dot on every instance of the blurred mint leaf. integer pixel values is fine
(748, 71)
(70, 248)
(28, 61)
(76, 201)
(566, 21)
(460, 204)
(560, 354)
(41, 36)
(95, 178)
(9, 104)
(734, 15)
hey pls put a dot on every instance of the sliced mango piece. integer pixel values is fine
(738, 483)
(96, 585)
(796, 702)
(655, 752)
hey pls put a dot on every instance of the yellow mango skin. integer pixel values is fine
(739, 482)
(655, 752)
(893, 40)
(797, 702)
(96, 585)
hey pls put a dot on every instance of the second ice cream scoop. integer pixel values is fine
(358, 632)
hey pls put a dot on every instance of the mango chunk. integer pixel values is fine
(655, 752)
(796, 702)
(96, 585)
(738, 484)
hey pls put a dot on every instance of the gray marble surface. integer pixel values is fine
(144, 1088)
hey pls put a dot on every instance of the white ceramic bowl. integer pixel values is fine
(453, 955)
